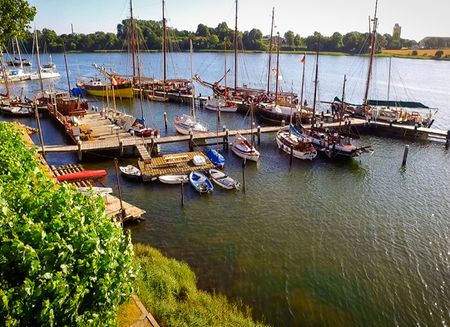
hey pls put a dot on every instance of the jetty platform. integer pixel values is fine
(171, 164)
(95, 132)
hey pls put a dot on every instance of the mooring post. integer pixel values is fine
(165, 121)
(405, 155)
(227, 141)
(182, 193)
(447, 139)
(191, 140)
(120, 148)
(243, 175)
(80, 153)
(292, 156)
(283, 123)
(259, 134)
(116, 165)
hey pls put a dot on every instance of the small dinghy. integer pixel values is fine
(223, 180)
(130, 171)
(199, 160)
(173, 179)
(95, 190)
(242, 148)
(216, 158)
(200, 182)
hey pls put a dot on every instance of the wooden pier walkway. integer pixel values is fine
(99, 134)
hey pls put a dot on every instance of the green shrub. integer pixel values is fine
(168, 290)
(62, 261)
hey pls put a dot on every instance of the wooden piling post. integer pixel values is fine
(116, 165)
(182, 193)
(191, 141)
(41, 137)
(405, 155)
(243, 175)
(258, 129)
(80, 153)
(283, 123)
(292, 156)
(120, 148)
(224, 127)
(165, 121)
(227, 140)
(447, 139)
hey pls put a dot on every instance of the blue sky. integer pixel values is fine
(417, 18)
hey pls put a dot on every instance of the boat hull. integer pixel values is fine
(303, 155)
(124, 90)
(253, 156)
(82, 175)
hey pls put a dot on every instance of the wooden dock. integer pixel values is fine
(112, 203)
(97, 133)
(171, 164)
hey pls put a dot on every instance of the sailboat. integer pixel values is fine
(187, 123)
(331, 142)
(242, 147)
(390, 111)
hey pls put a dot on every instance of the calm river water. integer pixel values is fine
(324, 243)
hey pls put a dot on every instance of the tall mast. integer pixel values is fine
(164, 44)
(389, 78)
(236, 49)
(372, 54)
(193, 89)
(343, 101)
(132, 39)
(278, 68)
(270, 52)
(38, 62)
(18, 52)
(141, 97)
(5, 77)
(303, 83)
(225, 64)
(67, 70)
(315, 85)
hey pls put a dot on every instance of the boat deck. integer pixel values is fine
(171, 164)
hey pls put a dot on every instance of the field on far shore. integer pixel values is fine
(420, 52)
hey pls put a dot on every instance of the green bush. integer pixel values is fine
(168, 290)
(62, 261)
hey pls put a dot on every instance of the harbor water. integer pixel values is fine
(357, 242)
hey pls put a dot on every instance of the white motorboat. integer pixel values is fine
(223, 180)
(300, 145)
(187, 123)
(130, 171)
(173, 179)
(217, 103)
(46, 73)
(242, 148)
(14, 110)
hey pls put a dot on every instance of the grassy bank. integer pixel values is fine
(168, 290)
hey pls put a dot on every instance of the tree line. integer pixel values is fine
(149, 34)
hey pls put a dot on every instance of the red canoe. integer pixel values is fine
(80, 175)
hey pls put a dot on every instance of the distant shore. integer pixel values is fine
(404, 54)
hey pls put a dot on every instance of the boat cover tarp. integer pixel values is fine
(388, 103)
(215, 157)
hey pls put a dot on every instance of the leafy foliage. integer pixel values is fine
(62, 261)
(168, 289)
(15, 15)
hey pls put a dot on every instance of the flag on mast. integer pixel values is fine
(302, 60)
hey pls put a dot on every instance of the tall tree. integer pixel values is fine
(290, 38)
(15, 17)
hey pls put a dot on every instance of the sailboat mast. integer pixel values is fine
(193, 88)
(372, 54)
(278, 68)
(236, 49)
(303, 83)
(343, 101)
(18, 52)
(164, 44)
(38, 62)
(389, 78)
(141, 96)
(315, 86)
(270, 52)
(225, 64)
(67, 70)
(132, 39)
(5, 77)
